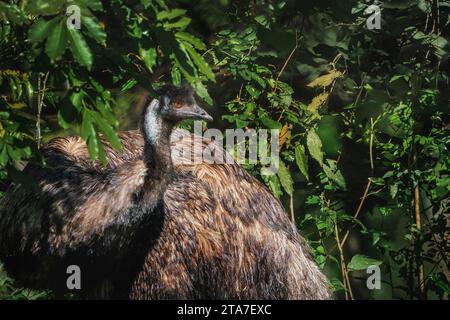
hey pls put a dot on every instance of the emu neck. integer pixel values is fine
(157, 156)
(157, 133)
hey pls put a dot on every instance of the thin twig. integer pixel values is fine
(361, 203)
(286, 62)
(345, 277)
(40, 104)
(371, 144)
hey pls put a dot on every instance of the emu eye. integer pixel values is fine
(178, 104)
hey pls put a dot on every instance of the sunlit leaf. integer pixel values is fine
(57, 41)
(40, 30)
(200, 62)
(325, 80)
(94, 29)
(79, 48)
(317, 102)
(285, 178)
(302, 160)
(285, 134)
(315, 146)
(362, 262)
(171, 14)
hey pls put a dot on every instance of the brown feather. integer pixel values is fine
(222, 235)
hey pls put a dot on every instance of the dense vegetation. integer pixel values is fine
(363, 114)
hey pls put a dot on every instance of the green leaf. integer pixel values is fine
(202, 92)
(40, 30)
(57, 41)
(93, 146)
(286, 178)
(194, 41)
(107, 130)
(45, 7)
(315, 146)
(3, 156)
(273, 183)
(176, 76)
(170, 14)
(129, 84)
(94, 30)
(270, 124)
(334, 174)
(200, 62)
(362, 262)
(393, 189)
(325, 80)
(87, 128)
(107, 113)
(12, 13)
(67, 114)
(13, 153)
(149, 57)
(94, 5)
(79, 48)
(180, 24)
(302, 160)
(177, 53)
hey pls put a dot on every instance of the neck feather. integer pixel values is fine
(157, 153)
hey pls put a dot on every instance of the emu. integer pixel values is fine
(80, 210)
(220, 234)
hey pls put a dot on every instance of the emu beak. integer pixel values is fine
(199, 113)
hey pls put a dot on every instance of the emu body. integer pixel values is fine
(221, 234)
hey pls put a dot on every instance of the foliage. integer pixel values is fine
(363, 113)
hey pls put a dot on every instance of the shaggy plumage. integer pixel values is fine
(221, 235)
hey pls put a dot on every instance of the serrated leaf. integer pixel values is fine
(334, 175)
(87, 127)
(107, 130)
(149, 57)
(180, 24)
(176, 76)
(3, 156)
(325, 80)
(194, 41)
(274, 185)
(79, 48)
(285, 134)
(362, 262)
(107, 113)
(13, 153)
(44, 7)
(200, 62)
(302, 160)
(102, 154)
(202, 92)
(129, 84)
(56, 43)
(40, 30)
(66, 114)
(94, 5)
(315, 146)
(285, 178)
(393, 189)
(270, 124)
(170, 14)
(93, 143)
(94, 29)
(12, 13)
(317, 102)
